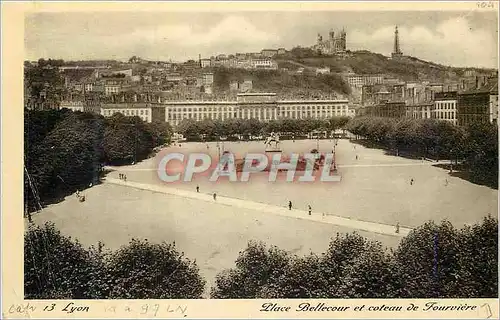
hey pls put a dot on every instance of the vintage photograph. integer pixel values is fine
(261, 155)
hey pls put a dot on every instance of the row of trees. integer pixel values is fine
(213, 129)
(476, 144)
(434, 260)
(56, 267)
(64, 150)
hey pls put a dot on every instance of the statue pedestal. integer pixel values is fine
(273, 149)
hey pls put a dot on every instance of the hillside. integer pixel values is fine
(287, 81)
(366, 62)
(282, 82)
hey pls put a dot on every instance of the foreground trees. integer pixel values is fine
(432, 261)
(64, 150)
(55, 267)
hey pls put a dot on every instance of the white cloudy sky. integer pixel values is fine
(451, 38)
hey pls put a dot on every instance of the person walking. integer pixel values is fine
(310, 209)
(197, 188)
(397, 227)
(411, 182)
(215, 196)
(356, 157)
(289, 205)
(125, 178)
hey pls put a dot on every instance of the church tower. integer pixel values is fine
(396, 53)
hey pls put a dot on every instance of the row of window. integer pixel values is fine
(269, 116)
(447, 115)
(198, 109)
(127, 112)
(446, 105)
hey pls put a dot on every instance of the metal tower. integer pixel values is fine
(397, 50)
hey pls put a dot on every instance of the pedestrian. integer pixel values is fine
(310, 209)
(446, 182)
(120, 176)
(411, 182)
(289, 205)
(397, 227)
(197, 188)
(215, 196)
(356, 157)
(125, 178)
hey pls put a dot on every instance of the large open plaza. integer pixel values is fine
(375, 188)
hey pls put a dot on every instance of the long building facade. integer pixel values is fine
(260, 106)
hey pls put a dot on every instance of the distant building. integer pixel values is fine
(141, 110)
(246, 86)
(269, 53)
(386, 109)
(445, 106)
(208, 79)
(281, 51)
(71, 105)
(478, 105)
(263, 64)
(360, 80)
(233, 85)
(324, 70)
(333, 45)
(205, 63)
(260, 106)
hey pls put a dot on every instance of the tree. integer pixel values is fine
(127, 139)
(370, 274)
(56, 267)
(257, 268)
(68, 157)
(142, 270)
(478, 260)
(482, 152)
(426, 262)
(160, 131)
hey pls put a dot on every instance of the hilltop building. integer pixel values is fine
(333, 45)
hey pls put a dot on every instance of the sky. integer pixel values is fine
(461, 39)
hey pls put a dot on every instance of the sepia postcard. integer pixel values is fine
(242, 160)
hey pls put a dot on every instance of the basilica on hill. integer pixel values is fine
(335, 44)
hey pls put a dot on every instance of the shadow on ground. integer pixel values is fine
(460, 172)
